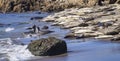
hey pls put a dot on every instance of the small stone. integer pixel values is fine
(49, 20)
(45, 27)
(36, 18)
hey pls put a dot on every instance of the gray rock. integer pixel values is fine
(72, 36)
(47, 47)
(36, 18)
(50, 20)
(112, 33)
(116, 39)
(45, 27)
(118, 28)
(83, 25)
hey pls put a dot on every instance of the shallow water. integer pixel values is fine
(88, 51)
(11, 38)
(11, 35)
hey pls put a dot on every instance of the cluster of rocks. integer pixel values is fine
(36, 30)
(96, 22)
(48, 5)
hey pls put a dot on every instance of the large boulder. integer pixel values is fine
(47, 47)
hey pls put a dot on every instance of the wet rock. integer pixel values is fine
(67, 25)
(113, 1)
(47, 47)
(72, 36)
(50, 20)
(36, 18)
(88, 19)
(116, 39)
(45, 27)
(112, 33)
(95, 28)
(105, 24)
(79, 36)
(56, 17)
(36, 30)
(41, 32)
(109, 13)
(110, 9)
(108, 24)
(83, 25)
(117, 28)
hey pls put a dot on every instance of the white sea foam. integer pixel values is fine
(13, 52)
(6, 40)
(9, 29)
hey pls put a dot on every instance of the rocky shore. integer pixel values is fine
(100, 22)
(49, 5)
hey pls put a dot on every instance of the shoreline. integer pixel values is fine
(99, 23)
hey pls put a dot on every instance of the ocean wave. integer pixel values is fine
(9, 29)
(12, 51)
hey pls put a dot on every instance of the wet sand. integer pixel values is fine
(94, 50)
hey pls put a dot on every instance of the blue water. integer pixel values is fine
(16, 24)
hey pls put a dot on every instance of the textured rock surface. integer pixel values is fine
(96, 22)
(47, 47)
(48, 5)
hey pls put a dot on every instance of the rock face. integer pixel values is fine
(117, 28)
(48, 5)
(102, 22)
(47, 47)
